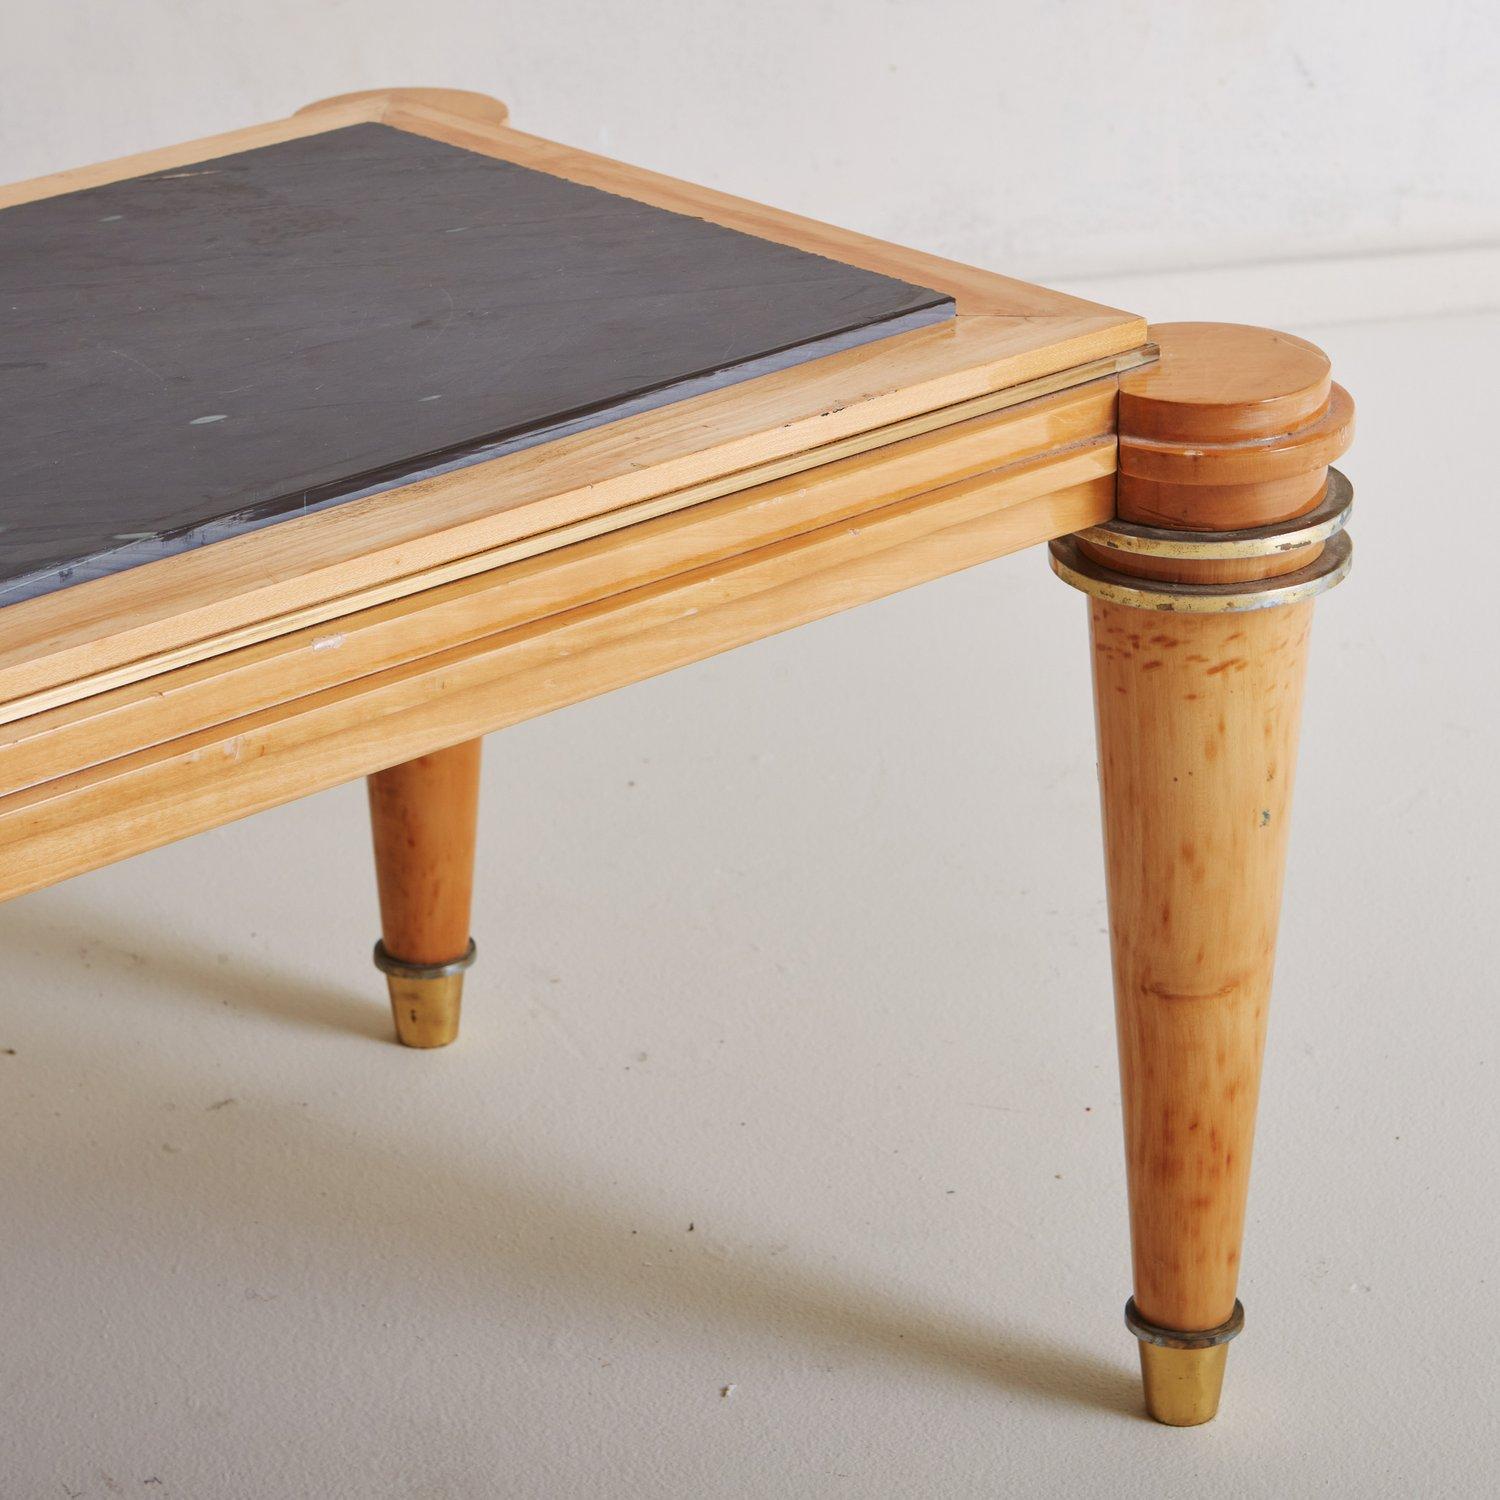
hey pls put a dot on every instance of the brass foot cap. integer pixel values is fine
(1183, 1373)
(425, 998)
(1183, 1385)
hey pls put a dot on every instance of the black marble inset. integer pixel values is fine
(205, 350)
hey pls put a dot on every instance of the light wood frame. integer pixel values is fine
(138, 708)
(69, 644)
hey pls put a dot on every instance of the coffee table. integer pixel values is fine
(336, 443)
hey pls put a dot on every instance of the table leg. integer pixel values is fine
(424, 816)
(1197, 722)
(1229, 523)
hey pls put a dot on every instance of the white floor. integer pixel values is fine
(780, 1156)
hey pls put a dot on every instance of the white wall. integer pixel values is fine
(1060, 140)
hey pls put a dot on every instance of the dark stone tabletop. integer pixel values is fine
(205, 350)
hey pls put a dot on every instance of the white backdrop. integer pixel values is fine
(1059, 140)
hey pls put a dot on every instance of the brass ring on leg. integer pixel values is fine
(425, 998)
(1326, 519)
(1322, 528)
(1173, 1338)
(1183, 1372)
(400, 969)
(1330, 568)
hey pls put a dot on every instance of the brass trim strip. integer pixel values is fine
(1171, 1338)
(398, 968)
(324, 611)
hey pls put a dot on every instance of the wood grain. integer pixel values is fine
(1008, 333)
(1226, 382)
(1232, 427)
(466, 103)
(1053, 443)
(1206, 570)
(139, 801)
(1197, 719)
(110, 673)
(423, 819)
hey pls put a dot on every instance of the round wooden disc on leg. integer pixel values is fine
(1232, 427)
(465, 102)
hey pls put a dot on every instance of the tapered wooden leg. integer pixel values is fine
(424, 816)
(1197, 722)
(1199, 633)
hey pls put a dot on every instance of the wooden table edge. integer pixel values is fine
(94, 635)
